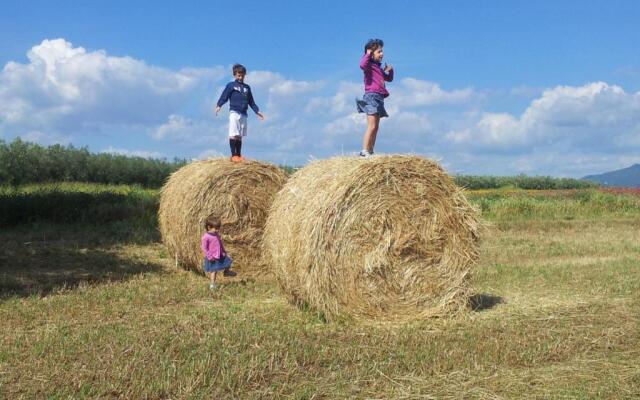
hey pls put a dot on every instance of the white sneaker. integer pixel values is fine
(213, 286)
(365, 153)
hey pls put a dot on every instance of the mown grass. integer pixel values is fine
(558, 317)
(517, 204)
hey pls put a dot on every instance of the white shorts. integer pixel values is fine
(237, 124)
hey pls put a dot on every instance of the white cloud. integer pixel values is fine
(69, 89)
(493, 129)
(413, 92)
(179, 127)
(408, 123)
(210, 153)
(275, 84)
(281, 98)
(291, 87)
(349, 124)
(593, 116)
(46, 139)
(581, 115)
(342, 102)
(134, 153)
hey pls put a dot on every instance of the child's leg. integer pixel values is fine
(235, 143)
(233, 131)
(239, 146)
(212, 276)
(369, 140)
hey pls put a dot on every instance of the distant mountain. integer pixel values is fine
(627, 177)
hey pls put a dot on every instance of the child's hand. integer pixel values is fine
(387, 68)
(259, 114)
(217, 110)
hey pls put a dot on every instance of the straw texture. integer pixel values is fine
(385, 237)
(239, 193)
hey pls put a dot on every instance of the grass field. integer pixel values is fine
(100, 311)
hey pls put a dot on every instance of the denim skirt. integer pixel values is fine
(372, 104)
(217, 265)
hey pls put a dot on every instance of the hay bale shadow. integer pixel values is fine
(483, 301)
(48, 260)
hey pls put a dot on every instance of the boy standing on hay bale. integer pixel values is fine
(215, 257)
(240, 98)
(372, 102)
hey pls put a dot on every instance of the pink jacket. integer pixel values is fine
(374, 76)
(212, 246)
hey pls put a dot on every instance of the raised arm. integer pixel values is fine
(365, 61)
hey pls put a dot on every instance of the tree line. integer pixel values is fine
(23, 162)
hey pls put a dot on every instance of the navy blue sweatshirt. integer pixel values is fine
(239, 96)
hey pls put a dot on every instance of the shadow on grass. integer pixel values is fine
(47, 258)
(483, 301)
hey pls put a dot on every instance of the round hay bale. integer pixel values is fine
(239, 193)
(385, 237)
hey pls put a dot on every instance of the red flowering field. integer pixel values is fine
(621, 190)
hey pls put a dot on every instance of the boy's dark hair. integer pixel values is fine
(373, 44)
(212, 221)
(239, 68)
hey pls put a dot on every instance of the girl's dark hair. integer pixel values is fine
(239, 68)
(212, 222)
(373, 44)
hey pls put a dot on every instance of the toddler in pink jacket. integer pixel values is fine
(215, 256)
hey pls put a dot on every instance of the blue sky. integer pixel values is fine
(485, 87)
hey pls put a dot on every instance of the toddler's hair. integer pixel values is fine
(373, 44)
(239, 68)
(212, 222)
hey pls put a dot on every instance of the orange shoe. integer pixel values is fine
(240, 158)
(235, 158)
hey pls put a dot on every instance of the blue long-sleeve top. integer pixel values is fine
(239, 96)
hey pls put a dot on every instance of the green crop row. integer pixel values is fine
(521, 182)
(97, 203)
(571, 204)
(77, 203)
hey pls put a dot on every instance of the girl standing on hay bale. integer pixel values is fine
(215, 257)
(372, 102)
